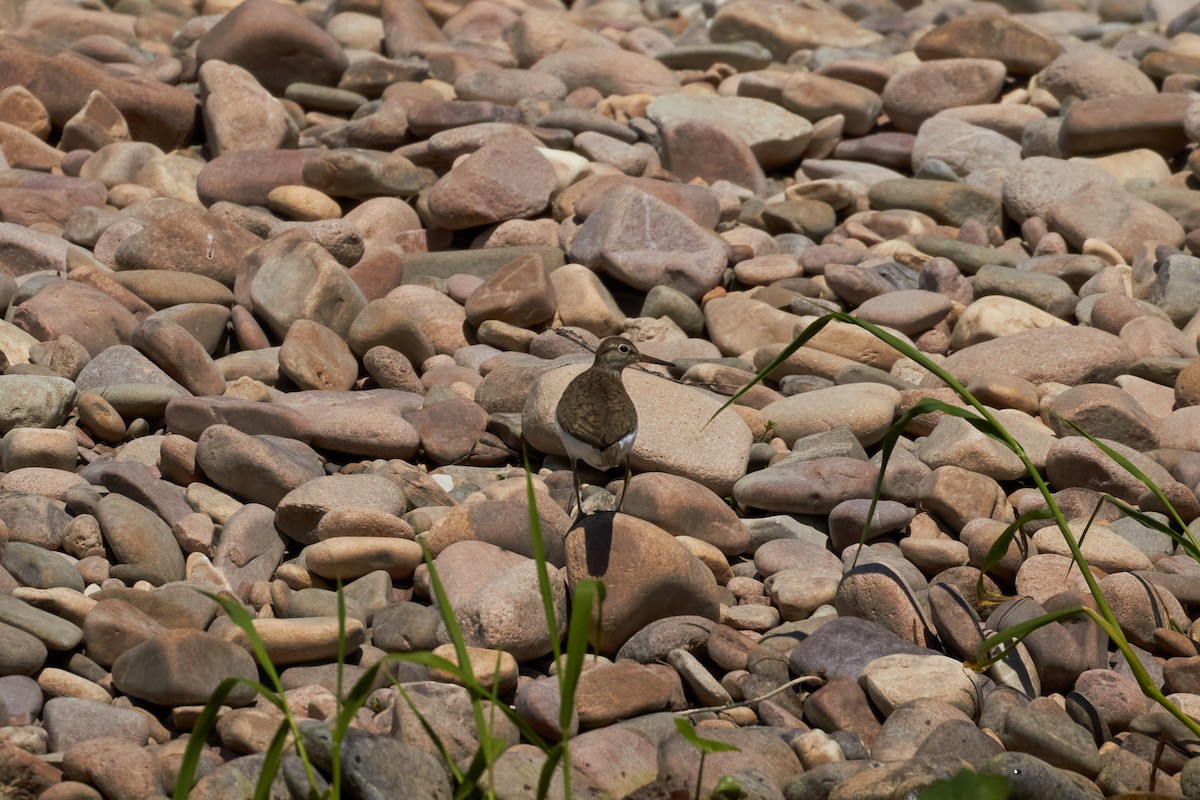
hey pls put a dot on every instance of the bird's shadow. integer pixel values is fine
(597, 530)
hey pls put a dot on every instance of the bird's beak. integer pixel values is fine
(645, 359)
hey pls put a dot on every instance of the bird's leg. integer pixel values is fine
(578, 495)
(624, 487)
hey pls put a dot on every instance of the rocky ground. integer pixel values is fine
(281, 285)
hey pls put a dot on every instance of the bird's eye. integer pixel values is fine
(624, 348)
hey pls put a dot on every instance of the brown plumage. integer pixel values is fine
(596, 418)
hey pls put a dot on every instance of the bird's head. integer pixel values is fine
(617, 352)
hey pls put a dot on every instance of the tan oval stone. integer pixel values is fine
(349, 557)
(867, 409)
(296, 641)
(303, 203)
(493, 668)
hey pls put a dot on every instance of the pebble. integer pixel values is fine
(611, 241)
(892, 681)
(473, 194)
(34, 401)
(909, 726)
(804, 486)
(775, 136)
(1072, 356)
(115, 766)
(913, 95)
(865, 409)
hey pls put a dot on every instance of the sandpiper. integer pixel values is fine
(596, 418)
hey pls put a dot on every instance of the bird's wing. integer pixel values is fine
(600, 430)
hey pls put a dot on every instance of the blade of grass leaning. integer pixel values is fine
(240, 617)
(1115, 635)
(539, 557)
(999, 645)
(272, 758)
(475, 769)
(335, 735)
(587, 592)
(454, 631)
(356, 698)
(887, 445)
(466, 783)
(554, 757)
(727, 788)
(688, 732)
(967, 785)
(1186, 542)
(998, 431)
(1127, 465)
(492, 746)
(999, 548)
(705, 746)
(455, 773)
(476, 689)
(544, 588)
(1087, 527)
(203, 727)
(1103, 609)
(802, 339)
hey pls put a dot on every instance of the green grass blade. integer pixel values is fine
(428, 659)
(999, 548)
(335, 734)
(887, 446)
(809, 332)
(1103, 614)
(205, 723)
(454, 631)
(356, 698)
(1186, 542)
(271, 761)
(967, 785)
(1139, 515)
(276, 695)
(361, 690)
(1129, 467)
(341, 648)
(995, 647)
(539, 558)
(477, 690)
(988, 427)
(546, 774)
(240, 617)
(587, 593)
(455, 773)
(475, 770)
(706, 746)
(447, 613)
(727, 788)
